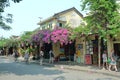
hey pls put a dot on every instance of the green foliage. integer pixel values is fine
(8, 18)
(103, 18)
(2, 42)
(26, 36)
(8, 42)
(22, 51)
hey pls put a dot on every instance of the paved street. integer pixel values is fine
(10, 70)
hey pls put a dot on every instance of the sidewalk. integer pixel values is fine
(83, 67)
(90, 69)
(77, 67)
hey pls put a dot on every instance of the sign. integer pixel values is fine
(88, 59)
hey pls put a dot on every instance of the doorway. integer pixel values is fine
(117, 49)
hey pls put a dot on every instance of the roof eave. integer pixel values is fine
(46, 20)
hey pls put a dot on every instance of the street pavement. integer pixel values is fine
(10, 70)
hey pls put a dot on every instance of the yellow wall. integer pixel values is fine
(110, 43)
(72, 18)
(46, 25)
(82, 51)
(56, 48)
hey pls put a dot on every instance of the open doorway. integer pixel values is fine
(46, 48)
(117, 49)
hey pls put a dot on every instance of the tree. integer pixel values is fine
(2, 42)
(26, 36)
(8, 19)
(103, 19)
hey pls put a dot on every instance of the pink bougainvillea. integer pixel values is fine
(46, 36)
(57, 35)
(60, 35)
(43, 35)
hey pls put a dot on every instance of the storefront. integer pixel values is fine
(64, 52)
(117, 53)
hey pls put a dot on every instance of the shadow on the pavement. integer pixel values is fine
(27, 69)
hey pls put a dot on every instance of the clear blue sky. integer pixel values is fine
(26, 13)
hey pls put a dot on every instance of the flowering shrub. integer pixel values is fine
(42, 35)
(57, 35)
(60, 35)
(46, 36)
(36, 38)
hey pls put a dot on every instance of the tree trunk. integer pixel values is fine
(99, 52)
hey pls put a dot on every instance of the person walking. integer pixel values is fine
(51, 56)
(15, 54)
(113, 61)
(104, 57)
(26, 56)
(41, 57)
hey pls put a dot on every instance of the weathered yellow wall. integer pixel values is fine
(56, 49)
(72, 18)
(82, 51)
(110, 44)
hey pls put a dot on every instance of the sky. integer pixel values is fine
(27, 13)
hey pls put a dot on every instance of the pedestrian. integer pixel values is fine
(41, 57)
(113, 63)
(104, 57)
(26, 56)
(51, 56)
(15, 54)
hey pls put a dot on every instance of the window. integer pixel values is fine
(60, 24)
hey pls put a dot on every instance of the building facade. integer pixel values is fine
(71, 17)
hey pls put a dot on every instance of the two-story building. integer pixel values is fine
(70, 16)
(73, 18)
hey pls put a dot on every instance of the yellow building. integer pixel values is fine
(71, 16)
(114, 43)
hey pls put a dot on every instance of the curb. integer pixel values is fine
(94, 72)
(91, 71)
